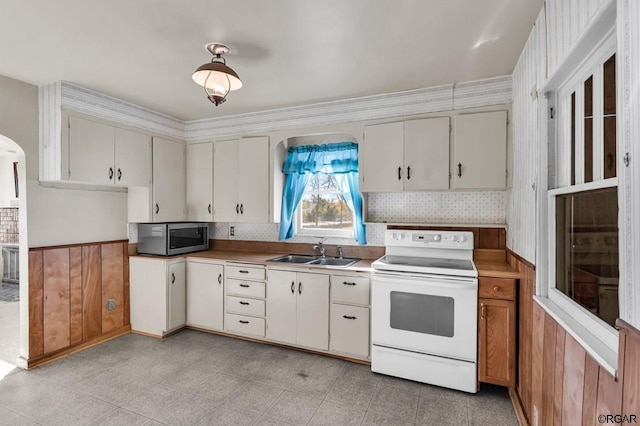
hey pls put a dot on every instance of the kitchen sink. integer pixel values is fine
(332, 261)
(301, 259)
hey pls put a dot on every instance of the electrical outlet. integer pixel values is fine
(232, 231)
(111, 304)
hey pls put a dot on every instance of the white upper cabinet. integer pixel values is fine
(103, 154)
(200, 182)
(480, 151)
(169, 175)
(406, 156)
(241, 180)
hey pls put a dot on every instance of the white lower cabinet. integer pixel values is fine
(245, 304)
(350, 315)
(298, 308)
(205, 294)
(157, 295)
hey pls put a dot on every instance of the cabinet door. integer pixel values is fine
(382, 158)
(313, 310)
(148, 295)
(497, 342)
(253, 179)
(169, 199)
(480, 151)
(225, 181)
(91, 150)
(132, 158)
(205, 293)
(177, 308)
(426, 154)
(281, 306)
(200, 182)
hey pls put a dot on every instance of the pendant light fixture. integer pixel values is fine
(216, 77)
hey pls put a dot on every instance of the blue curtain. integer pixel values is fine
(339, 159)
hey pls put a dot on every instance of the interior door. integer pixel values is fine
(382, 158)
(426, 154)
(225, 181)
(169, 181)
(205, 295)
(132, 158)
(91, 151)
(429, 315)
(253, 179)
(313, 310)
(200, 182)
(281, 306)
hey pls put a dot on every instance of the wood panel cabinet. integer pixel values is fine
(205, 294)
(241, 180)
(158, 295)
(103, 154)
(497, 331)
(298, 308)
(406, 156)
(480, 151)
(200, 182)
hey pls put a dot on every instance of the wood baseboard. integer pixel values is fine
(158, 336)
(517, 407)
(43, 360)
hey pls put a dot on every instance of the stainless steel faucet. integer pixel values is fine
(321, 248)
(340, 253)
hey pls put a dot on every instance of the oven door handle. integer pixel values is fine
(444, 283)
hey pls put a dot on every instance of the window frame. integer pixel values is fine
(559, 177)
(320, 233)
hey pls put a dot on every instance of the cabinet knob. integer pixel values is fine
(459, 170)
(408, 173)
(482, 311)
(119, 173)
(220, 279)
(244, 285)
(244, 303)
(173, 278)
(348, 283)
(348, 317)
(300, 287)
(209, 208)
(399, 173)
(293, 287)
(238, 208)
(244, 322)
(110, 173)
(241, 209)
(157, 208)
(496, 288)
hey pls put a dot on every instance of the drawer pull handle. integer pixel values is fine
(482, 311)
(244, 303)
(173, 278)
(348, 317)
(244, 285)
(293, 287)
(244, 322)
(496, 288)
(348, 283)
(220, 279)
(243, 271)
(300, 287)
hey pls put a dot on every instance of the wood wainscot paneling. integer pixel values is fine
(69, 287)
(558, 379)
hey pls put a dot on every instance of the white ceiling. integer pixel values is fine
(287, 52)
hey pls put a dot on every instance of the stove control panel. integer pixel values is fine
(435, 239)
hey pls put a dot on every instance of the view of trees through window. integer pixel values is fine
(323, 206)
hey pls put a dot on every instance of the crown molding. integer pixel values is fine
(63, 95)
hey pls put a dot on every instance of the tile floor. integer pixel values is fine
(195, 378)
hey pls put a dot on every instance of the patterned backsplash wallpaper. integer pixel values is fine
(471, 207)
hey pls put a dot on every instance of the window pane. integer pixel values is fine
(609, 92)
(588, 130)
(573, 138)
(325, 211)
(587, 250)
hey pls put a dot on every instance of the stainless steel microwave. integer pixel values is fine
(168, 239)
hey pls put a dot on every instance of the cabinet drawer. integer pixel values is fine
(244, 306)
(245, 288)
(245, 272)
(243, 324)
(349, 330)
(350, 289)
(497, 288)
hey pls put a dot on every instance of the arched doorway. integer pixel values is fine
(14, 314)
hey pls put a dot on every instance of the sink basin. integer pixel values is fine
(332, 261)
(299, 259)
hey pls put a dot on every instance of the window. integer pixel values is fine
(583, 200)
(323, 209)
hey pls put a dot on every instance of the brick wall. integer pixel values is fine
(8, 226)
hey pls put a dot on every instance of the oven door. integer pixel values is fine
(426, 314)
